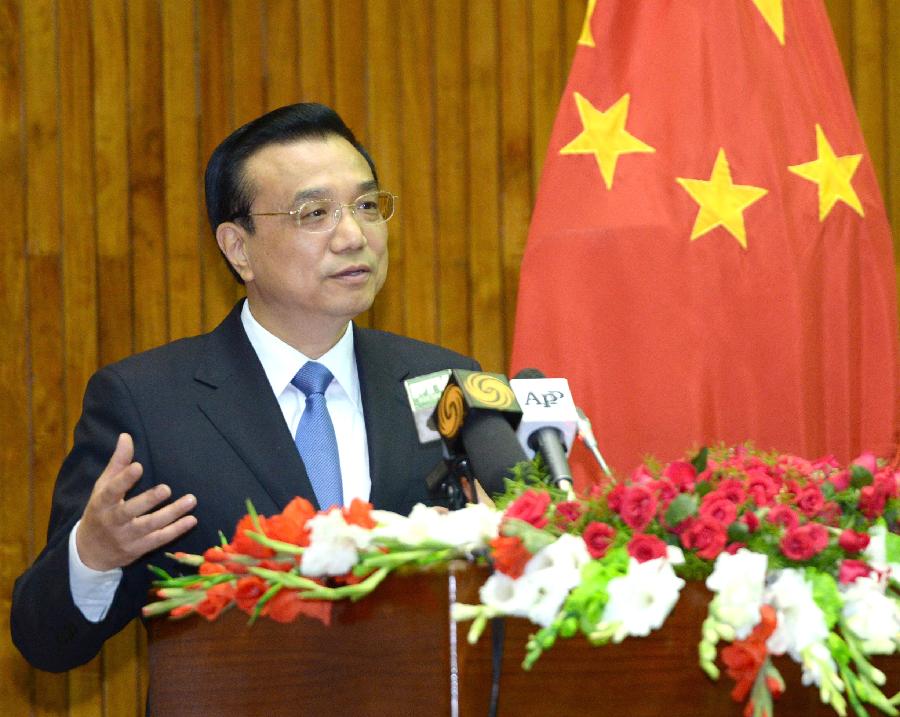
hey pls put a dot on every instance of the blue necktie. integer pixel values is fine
(315, 437)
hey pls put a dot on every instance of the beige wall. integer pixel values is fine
(108, 111)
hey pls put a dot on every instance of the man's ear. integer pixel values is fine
(231, 238)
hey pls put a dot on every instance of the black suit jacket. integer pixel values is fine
(205, 421)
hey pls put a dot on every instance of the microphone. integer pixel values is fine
(549, 421)
(474, 416)
(586, 434)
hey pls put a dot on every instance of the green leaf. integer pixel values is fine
(860, 476)
(699, 461)
(684, 506)
(892, 547)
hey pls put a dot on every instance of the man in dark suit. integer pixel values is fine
(196, 427)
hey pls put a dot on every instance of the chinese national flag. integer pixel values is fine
(709, 258)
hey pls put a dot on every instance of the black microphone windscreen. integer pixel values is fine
(492, 447)
(530, 373)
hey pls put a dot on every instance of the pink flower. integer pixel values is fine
(850, 570)
(643, 547)
(853, 542)
(706, 536)
(641, 475)
(718, 508)
(867, 461)
(530, 508)
(751, 520)
(598, 537)
(830, 513)
(810, 500)
(840, 480)
(638, 507)
(805, 541)
(783, 515)
(732, 548)
(614, 499)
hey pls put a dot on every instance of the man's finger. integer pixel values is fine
(122, 456)
(166, 515)
(142, 503)
(111, 488)
(160, 537)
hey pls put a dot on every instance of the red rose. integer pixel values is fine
(732, 548)
(665, 491)
(853, 542)
(598, 537)
(783, 515)
(682, 474)
(810, 500)
(706, 536)
(614, 499)
(850, 570)
(805, 541)
(830, 514)
(886, 482)
(761, 487)
(732, 489)
(717, 507)
(530, 508)
(568, 512)
(866, 460)
(249, 591)
(751, 520)
(643, 547)
(638, 507)
(510, 555)
(871, 501)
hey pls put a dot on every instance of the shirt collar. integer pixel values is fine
(280, 361)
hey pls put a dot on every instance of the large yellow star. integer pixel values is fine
(604, 135)
(587, 37)
(722, 202)
(773, 13)
(833, 174)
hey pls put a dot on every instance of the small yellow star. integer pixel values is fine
(604, 135)
(773, 13)
(722, 202)
(587, 37)
(833, 174)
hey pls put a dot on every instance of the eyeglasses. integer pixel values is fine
(323, 215)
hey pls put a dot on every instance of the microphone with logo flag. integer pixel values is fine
(549, 421)
(475, 417)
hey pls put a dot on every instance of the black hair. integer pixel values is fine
(229, 194)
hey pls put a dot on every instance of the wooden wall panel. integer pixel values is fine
(109, 110)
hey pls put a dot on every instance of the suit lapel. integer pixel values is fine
(244, 410)
(385, 409)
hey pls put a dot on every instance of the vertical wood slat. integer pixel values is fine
(451, 177)
(484, 190)
(14, 369)
(383, 131)
(77, 233)
(105, 126)
(416, 108)
(181, 169)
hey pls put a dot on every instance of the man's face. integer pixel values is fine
(298, 279)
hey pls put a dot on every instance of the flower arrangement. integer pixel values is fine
(801, 558)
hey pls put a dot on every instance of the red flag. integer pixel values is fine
(709, 257)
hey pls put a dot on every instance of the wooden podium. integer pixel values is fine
(398, 653)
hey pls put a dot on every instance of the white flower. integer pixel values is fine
(800, 621)
(468, 529)
(333, 545)
(871, 615)
(739, 581)
(817, 664)
(641, 600)
(875, 553)
(509, 596)
(553, 571)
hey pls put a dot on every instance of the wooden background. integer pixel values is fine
(108, 112)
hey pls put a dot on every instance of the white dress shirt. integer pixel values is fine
(93, 590)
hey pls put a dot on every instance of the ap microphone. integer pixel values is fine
(549, 421)
(474, 417)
